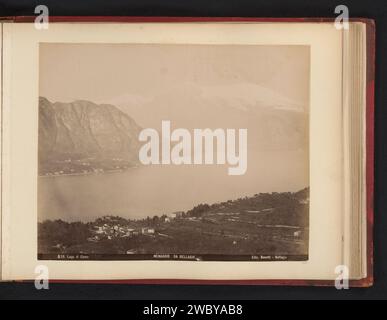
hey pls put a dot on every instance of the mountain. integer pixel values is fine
(70, 132)
(274, 122)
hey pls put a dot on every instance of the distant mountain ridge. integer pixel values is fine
(274, 122)
(83, 129)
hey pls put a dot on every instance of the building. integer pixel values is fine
(99, 230)
(177, 214)
(304, 201)
(297, 234)
(147, 230)
(127, 233)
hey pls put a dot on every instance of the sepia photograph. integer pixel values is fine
(165, 152)
(173, 152)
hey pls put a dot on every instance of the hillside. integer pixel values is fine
(269, 223)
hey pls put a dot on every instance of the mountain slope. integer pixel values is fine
(82, 129)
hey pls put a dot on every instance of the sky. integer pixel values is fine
(110, 72)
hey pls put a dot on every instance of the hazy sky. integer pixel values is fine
(104, 72)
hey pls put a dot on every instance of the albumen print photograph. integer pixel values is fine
(173, 152)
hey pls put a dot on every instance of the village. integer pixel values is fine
(111, 228)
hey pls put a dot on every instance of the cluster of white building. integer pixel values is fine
(115, 230)
(107, 231)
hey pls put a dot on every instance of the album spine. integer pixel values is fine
(1, 148)
(370, 150)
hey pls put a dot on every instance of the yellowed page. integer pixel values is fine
(20, 127)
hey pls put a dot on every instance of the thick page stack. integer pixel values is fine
(187, 150)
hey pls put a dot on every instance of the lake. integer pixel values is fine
(156, 190)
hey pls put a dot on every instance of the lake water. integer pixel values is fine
(156, 190)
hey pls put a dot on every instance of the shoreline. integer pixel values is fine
(85, 173)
